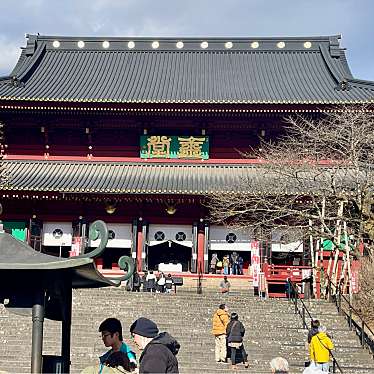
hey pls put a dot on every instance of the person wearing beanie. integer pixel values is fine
(111, 333)
(158, 349)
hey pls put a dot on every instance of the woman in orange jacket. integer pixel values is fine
(220, 321)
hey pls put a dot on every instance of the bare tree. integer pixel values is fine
(317, 178)
(364, 300)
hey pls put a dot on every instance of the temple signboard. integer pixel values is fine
(181, 147)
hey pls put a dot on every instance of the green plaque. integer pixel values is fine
(182, 147)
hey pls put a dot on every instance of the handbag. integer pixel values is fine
(219, 264)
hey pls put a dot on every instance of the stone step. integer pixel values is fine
(272, 329)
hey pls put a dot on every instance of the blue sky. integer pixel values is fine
(353, 19)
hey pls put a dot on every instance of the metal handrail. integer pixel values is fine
(302, 312)
(360, 328)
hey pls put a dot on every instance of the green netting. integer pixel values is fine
(16, 228)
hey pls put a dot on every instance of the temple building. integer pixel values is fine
(139, 132)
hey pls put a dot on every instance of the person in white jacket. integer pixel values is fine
(161, 283)
(151, 282)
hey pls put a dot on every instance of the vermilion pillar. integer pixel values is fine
(139, 248)
(200, 248)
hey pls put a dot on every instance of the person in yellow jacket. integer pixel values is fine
(319, 348)
(221, 319)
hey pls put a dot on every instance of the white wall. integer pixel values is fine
(218, 242)
(170, 232)
(122, 239)
(50, 240)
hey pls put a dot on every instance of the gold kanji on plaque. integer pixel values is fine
(159, 146)
(190, 147)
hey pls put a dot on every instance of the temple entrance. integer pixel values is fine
(245, 255)
(226, 242)
(169, 256)
(169, 248)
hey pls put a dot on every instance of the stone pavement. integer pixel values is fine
(272, 329)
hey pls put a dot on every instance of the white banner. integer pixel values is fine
(255, 262)
(223, 238)
(180, 234)
(119, 236)
(57, 234)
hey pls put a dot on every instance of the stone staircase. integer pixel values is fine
(272, 330)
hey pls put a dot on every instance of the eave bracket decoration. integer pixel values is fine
(99, 230)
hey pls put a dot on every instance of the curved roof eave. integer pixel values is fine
(17, 256)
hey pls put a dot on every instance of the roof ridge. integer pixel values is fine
(328, 38)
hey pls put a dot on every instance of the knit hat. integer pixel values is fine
(234, 316)
(144, 327)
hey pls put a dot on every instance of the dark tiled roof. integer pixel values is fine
(275, 70)
(129, 178)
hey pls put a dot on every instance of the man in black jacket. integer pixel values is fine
(159, 349)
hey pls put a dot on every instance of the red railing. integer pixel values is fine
(277, 275)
